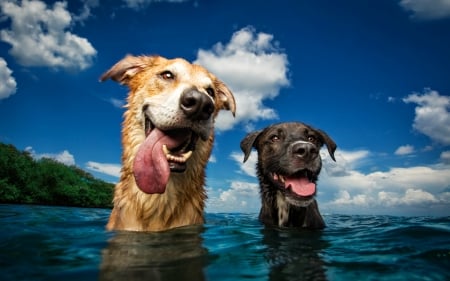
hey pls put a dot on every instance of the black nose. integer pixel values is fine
(196, 106)
(304, 150)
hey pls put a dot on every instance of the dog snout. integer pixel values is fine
(196, 105)
(304, 150)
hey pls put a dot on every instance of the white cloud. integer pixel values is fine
(391, 99)
(254, 68)
(427, 9)
(117, 102)
(86, 10)
(412, 187)
(239, 197)
(212, 159)
(63, 157)
(345, 161)
(8, 85)
(345, 198)
(138, 4)
(249, 167)
(432, 115)
(39, 37)
(404, 150)
(385, 198)
(104, 168)
(445, 157)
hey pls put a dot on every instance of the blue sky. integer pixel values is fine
(375, 75)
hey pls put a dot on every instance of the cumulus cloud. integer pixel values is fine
(385, 198)
(249, 167)
(346, 161)
(445, 157)
(39, 36)
(63, 157)
(415, 186)
(427, 9)
(104, 168)
(254, 68)
(432, 115)
(8, 85)
(404, 150)
(238, 197)
(139, 4)
(86, 10)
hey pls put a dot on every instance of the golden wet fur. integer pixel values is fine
(183, 201)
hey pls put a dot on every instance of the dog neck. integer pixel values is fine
(181, 204)
(281, 213)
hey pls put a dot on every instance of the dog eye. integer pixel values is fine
(210, 91)
(311, 138)
(167, 75)
(274, 138)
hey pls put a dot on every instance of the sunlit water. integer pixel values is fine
(57, 243)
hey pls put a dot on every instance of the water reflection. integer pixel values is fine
(171, 255)
(294, 254)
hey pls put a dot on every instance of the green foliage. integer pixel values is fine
(45, 181)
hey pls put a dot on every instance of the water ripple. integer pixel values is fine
(54, 243)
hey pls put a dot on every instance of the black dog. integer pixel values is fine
(288, 167)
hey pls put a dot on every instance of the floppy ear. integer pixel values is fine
(225, 96)
(248, 142)
(125, 69)
(331, 146)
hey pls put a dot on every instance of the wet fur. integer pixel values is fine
(277, 208)
(183, 201)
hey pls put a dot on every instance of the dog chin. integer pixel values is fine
(298, 202)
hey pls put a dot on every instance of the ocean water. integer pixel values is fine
(59, 243)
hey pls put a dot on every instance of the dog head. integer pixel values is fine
(289, 159)
(171, 107)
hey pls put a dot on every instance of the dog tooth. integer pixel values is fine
(165, 150)
(187, 155)
(180, 159)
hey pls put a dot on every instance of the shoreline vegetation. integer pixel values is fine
(25, 180)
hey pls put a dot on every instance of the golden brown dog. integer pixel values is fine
(167, 137)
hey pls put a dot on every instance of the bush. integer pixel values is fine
(46, 181)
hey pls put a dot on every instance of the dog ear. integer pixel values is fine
(248, 142)
(331, 145)
(225, 96)
(125, 69)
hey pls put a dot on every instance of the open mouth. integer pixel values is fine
(178, 156)
(180, 147)
(301, 184)
(163, 151)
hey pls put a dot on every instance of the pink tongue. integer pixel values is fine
(150, 167)
(301, 186)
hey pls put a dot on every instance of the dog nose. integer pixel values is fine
(304, 150)
(196, 106)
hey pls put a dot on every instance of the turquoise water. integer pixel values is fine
(58, 243)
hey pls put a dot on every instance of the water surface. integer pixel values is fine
(59, 243)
